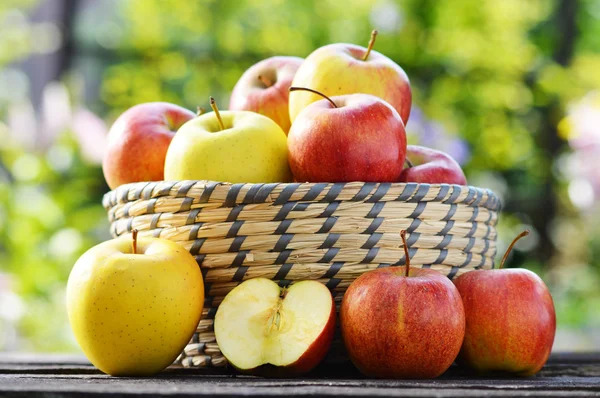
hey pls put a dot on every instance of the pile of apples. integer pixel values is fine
(396, 322)
(337, 116)
(134, 304)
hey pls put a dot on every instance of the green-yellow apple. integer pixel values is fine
(134, 307)
(229, 146)
(342, 68)
(400, 322)
(264, 329)
(510, 320)
(138, 142)
(430, 166)
(264, 89)
(355, 137)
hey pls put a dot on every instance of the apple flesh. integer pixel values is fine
(249, 148)
(133, 313)
(432, 167)
(263, 329)
(338, 69)
(510, 321)
(138, 142)
(397, 326)
(361, 138)
(263, 89)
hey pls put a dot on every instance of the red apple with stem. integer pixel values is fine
(430, 166)
(263, 89)
(510, 319)
(401, 322)
(355, 137)
(138, 142)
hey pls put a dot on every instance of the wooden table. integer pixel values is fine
(70, 376)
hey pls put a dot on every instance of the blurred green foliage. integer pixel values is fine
(487, 71)
(49, 205)
(50, 216)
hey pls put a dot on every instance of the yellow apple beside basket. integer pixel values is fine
(288, 232)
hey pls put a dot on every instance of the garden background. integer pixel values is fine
(510, 88)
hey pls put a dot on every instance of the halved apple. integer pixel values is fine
(262, 328)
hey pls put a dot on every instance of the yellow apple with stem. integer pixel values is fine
(133, 305)
(229, 146)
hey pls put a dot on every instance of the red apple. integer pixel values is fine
(356, 137)
(510, 320)
(341, 68)
(138, 142)
(264, 89)
(400, 322)
(264, 329)
(430, 166)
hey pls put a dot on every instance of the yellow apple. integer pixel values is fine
(229, 146)
(134, 307)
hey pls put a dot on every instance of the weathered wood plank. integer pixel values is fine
(51, 376)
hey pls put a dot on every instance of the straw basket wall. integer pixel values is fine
(331, 233)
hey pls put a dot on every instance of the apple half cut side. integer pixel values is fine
(262, 328)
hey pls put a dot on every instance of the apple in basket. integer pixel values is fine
(133, 305)
(427, 165)
(402, 322)
(341, 68)
(138, 142)
(264, 329)
(510, 319)
(264, 89)
(229, 146)
(355, 137)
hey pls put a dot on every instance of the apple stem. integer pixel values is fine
(265, 80)
(134, 244)
(406, 255)
(408, 163)
(200, 111)
(371, 43)
(213, 105)
(521, 235)
(314, 92)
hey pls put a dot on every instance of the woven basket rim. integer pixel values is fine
(317, 192)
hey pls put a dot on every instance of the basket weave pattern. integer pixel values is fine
(332, 233)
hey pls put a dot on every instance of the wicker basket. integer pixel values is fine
(332, 233)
